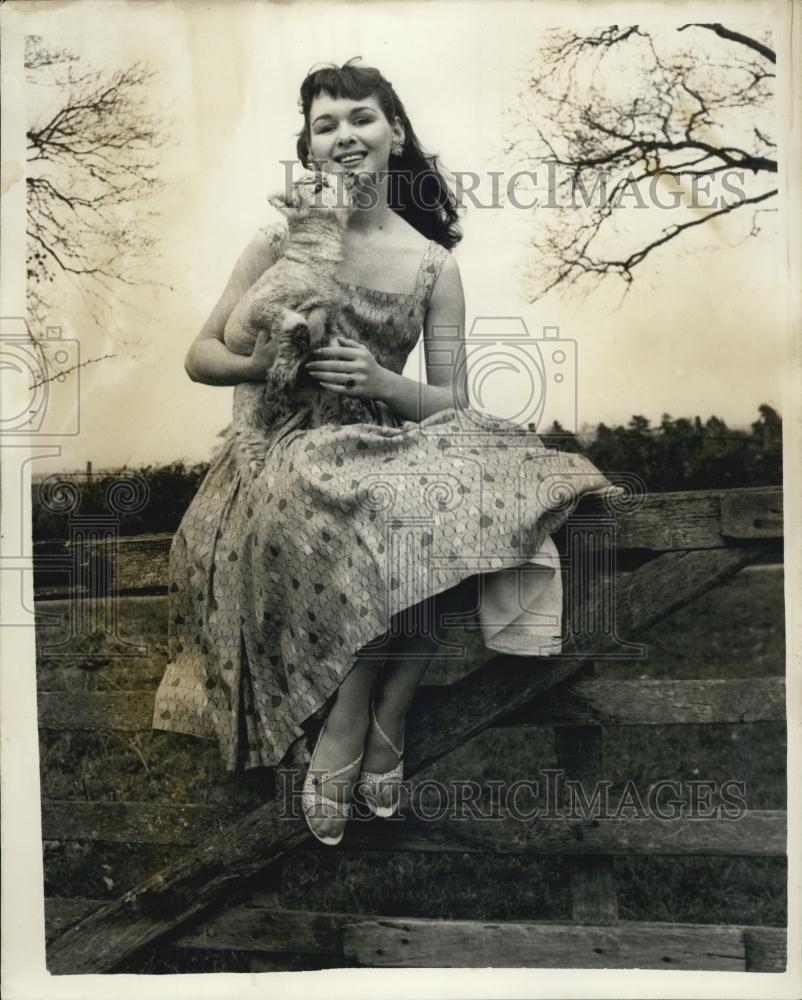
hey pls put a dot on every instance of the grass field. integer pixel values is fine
(734, 631)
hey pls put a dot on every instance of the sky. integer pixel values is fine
(702, 331)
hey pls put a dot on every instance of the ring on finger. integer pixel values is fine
(350, 383)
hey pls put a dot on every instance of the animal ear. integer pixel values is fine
(288, 208)
(279, 201)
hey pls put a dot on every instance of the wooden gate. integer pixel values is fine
(206, 873)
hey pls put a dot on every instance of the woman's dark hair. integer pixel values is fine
(417, 190)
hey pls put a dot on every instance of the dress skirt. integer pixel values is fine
(277, 581)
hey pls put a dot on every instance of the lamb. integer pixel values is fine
(300, 301)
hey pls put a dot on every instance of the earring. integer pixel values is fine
(397, 147)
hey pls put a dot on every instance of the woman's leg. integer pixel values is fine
(342, 741)
(407, 657)
(403, 659)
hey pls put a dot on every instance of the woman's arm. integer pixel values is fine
(208, 359)
(444, 351)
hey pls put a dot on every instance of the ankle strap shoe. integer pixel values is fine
(312, 800)
(371, 784)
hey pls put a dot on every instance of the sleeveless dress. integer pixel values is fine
(278, 581)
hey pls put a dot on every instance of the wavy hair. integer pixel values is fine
(417, 190)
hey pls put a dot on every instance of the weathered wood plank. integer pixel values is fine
(750, 514)
(698, 519)
(103, 871)
(759, 833)
(594, 898)
(133, 822)
(141, 564)
(580, 753)
(418, 943)
(240, 928)
(127, 711)
(257, 929)
(661, 522)
(269, 931)
(766, 949)
(575, 703)
(83, 672)
(656, 703)
(61, 913)
(158, 906)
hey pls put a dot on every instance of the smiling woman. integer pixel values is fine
(316, 586)
(354, 112)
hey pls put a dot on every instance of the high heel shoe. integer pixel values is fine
(311, 800)
(370, 783)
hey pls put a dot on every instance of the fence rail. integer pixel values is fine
(758, 833)
(663, 522)
(374, 940)
(583, 703)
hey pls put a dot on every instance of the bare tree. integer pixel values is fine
(92, 170)
(621, 117)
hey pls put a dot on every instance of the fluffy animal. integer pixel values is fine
(299, 301)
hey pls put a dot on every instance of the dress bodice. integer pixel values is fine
(389, 323)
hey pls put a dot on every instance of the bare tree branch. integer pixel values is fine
(671, 232)
(59, 375)
(620, 115)
(735, 36)
(93, 169)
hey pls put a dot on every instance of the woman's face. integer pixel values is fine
(347, 135)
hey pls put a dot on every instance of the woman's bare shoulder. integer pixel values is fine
(262, 251)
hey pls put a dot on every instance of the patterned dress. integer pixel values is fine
(277, 582)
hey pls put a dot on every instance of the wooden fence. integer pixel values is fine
(204, 874)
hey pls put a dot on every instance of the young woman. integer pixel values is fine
(306, 590)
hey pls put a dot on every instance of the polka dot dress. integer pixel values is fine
(277, 581)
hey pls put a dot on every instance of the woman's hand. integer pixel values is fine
(262, 357)
(336, 367)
